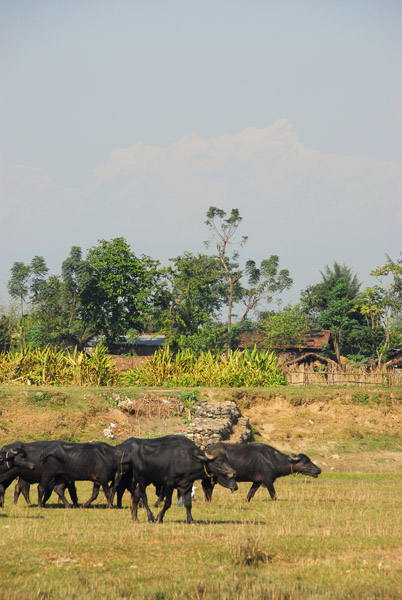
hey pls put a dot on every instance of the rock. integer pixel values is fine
(108, 433)
(214, 422)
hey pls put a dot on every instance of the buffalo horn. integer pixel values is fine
(214, 453)
(294, 458)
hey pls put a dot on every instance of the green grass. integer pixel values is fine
(332, 538)
(367, 441)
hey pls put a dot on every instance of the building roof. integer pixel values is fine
(150, 340)
(142, 340)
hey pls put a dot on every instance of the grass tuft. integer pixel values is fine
(252, 554)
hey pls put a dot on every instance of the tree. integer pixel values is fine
(51, 313)
(120, 288)
(381, 305)
(264, 281)
(285, 328)
(347, 329)
(18, 287)
(198, 291)
(73, 270)
(209, 338)
(316, 298)
(7, 328)
(330, 305)
(25, 279)
(58, 317)
(38, 274)
(224, 230)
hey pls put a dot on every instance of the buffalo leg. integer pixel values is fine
(270, 487)
(3, 486)
(167, 504)
(140, 493)
(60, 488)
(119, 495)
(160, 492)
(22, 487)
(143, 495)
(118, 478)
(47, 494)
(135, 498)
(108, 493)
(44, 491)
(188, 504)
(95, 494)
(123, 485)
(253, 490)
(72, 490)
(207, 488)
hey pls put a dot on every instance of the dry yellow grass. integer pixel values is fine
(332, 538)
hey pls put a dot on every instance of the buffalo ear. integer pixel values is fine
(201, 456)
(16, 447)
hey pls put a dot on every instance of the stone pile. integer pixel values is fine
(218, 421)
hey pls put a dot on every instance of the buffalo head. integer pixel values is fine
(218, 468)
(14, 455)
(301, 463)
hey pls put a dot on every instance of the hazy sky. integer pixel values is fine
(131, 118)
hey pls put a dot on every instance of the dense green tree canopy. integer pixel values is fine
(381, 306)
(120, 288)
(284, 328)
(198, 291)
(330, 305)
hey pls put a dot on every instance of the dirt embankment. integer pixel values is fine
(342, 430)
(341, 437)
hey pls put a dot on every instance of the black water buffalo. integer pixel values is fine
(93, 461)
(125, 480)
(11, 463)
(28, 468)
(174, 462)
(261, 464)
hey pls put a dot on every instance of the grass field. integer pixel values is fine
(335, 537)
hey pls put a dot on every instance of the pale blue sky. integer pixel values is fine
(82, 78)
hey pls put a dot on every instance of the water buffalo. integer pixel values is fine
(94, 461)
(262, 465)
(124, 482)
(27, 467)
(12, 461)
(174, 462)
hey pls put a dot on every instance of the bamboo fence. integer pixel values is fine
(301, 374)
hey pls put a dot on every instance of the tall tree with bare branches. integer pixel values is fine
(224, 229)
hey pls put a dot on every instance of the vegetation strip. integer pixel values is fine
(182, 369)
